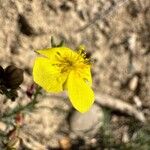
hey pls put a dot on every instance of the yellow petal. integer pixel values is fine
(80, 93)
(52, 53)
(47, 75)
(86, 74)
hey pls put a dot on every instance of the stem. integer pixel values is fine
(21, 108)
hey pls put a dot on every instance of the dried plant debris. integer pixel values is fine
(10, 79)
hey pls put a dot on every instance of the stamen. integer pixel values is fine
(81, 49)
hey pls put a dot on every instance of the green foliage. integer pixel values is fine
(139, 135)
(54, 44)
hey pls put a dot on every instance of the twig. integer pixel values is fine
(103, 15)
(114, 104)
(120, 105)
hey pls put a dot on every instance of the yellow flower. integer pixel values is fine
(64, 69)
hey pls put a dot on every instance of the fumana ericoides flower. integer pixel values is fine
(59, 69)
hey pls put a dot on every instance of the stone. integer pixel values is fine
(137, 101)
(65, 143)
(87, 123)
(134, 83)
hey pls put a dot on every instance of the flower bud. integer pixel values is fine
(19, 119)
(30, 90)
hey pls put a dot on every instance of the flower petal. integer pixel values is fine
(51, 53)
(80, 94)
(47, 75)
(86, 74)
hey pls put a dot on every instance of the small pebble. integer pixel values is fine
(65, 143)
(134, 83)
(137, 101)
(87, 123)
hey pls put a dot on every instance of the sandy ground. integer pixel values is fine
(116, 35)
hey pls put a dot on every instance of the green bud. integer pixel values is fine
(53, 43)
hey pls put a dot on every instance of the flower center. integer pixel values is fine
(71, 62)
(66, 65)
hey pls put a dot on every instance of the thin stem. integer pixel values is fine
(21, 108)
